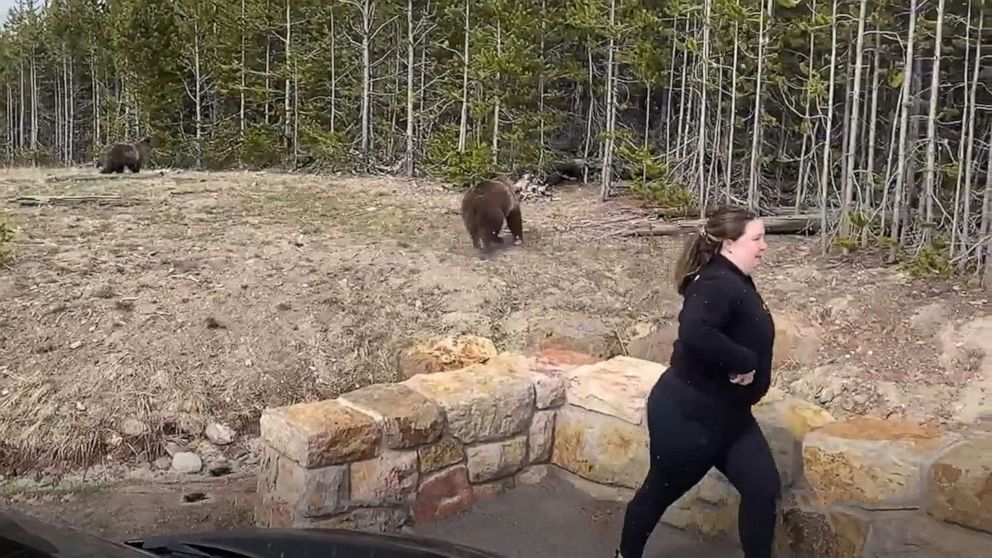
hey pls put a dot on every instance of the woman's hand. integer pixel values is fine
(742, 379)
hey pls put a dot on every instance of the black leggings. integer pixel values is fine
(686, 441)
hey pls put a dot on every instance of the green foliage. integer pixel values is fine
(260, 146)
(654, 183)
(326, 147)
(930, 260)
(443, 160)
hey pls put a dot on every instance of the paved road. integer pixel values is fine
(554, 519)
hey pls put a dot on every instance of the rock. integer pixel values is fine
(440, 355)
(321, 433)
(387, 479)
(575, 332)
(811, 533)
(961, 485)
(132, 428)
(549, 385)
(600, 448)
(617, 387)
(495, 460)
(785, 420)
(186, 462)
(442, 495)
(163, 463)
(655, 345)
(407, 419)
(869, 461)
(540, 437)
(288, 493)
(447, 451)
(796, 340)
(173, 448)
(480, 405)
(219, 434)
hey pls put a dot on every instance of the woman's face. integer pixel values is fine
(746, 251)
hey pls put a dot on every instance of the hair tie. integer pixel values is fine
(709, 238)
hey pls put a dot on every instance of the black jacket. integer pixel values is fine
(725, 328)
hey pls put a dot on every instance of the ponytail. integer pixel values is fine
(697, 252)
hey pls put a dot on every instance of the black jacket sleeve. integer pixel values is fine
(709, 305)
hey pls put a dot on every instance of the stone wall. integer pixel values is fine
(429, 447)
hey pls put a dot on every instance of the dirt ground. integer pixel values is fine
(128, 327)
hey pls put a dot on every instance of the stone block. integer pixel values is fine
(785, 420)
(321, 433)
(617, 387)
(870, 461)
(541, 437)
(549, 386)
(442, 494)
(549, 389)
(600, 448)
(446, 451)
(289, 493)
(960, 488)
(493, 460)
(481, 405)
(815, 533)
(407, 418)
(389, 478)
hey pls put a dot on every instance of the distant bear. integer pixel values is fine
(125, 155)
(485, 206)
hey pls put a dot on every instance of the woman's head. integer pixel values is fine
(737, 233)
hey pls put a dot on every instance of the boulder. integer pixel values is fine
(448, 353)
(870, 461)
(618, 387)
(961, 485)
(407, 418)
(481, 404)
(600, 448)
(320, 433)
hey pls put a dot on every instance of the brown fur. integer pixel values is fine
(125, 156)
(485, 206)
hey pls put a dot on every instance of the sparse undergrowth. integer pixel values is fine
(223, 293)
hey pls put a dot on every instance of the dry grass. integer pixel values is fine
(223, 293)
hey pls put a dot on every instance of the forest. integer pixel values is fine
(876, 117)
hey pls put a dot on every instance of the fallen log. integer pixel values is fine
(113, 200)
(774, 224)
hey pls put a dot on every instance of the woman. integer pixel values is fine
(699, 411)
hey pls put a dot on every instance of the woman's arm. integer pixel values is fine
(708, 307)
